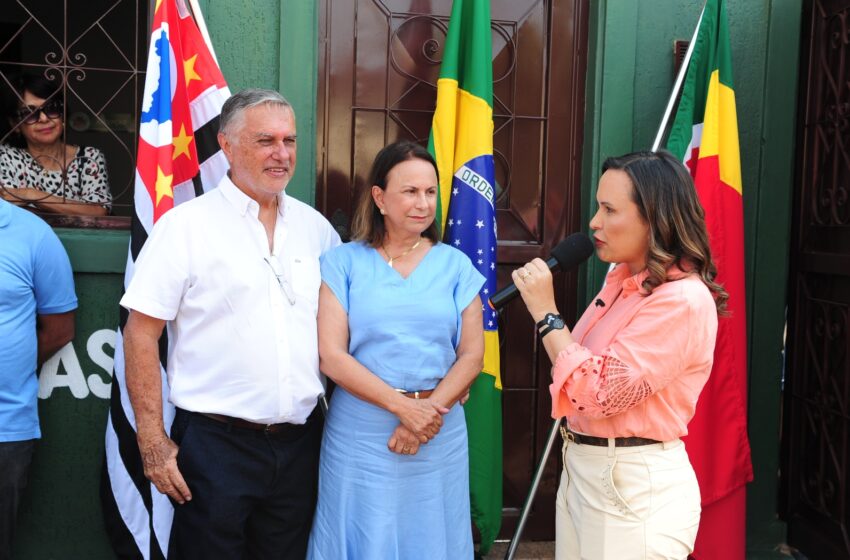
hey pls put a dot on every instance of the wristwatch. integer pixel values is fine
(549, 323)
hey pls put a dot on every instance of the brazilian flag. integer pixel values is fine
(462, 143)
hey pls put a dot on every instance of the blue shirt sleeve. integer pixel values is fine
(336, 266)
(53, 280)
(469, 283)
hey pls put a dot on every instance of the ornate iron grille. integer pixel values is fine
(396, 96)
(415, 56)
(816, 473)
(93, 53)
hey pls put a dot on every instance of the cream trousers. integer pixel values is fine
(627, 503)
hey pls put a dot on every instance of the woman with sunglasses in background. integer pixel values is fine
(37, 168)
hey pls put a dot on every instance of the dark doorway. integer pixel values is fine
(377, 76)
(816, 442)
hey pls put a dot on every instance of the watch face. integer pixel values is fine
(555, 321)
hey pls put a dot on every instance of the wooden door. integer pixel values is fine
(377, 83)
(816, 440)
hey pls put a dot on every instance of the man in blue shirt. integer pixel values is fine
(37, 303)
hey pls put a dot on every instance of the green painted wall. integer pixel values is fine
(273, 44)
(630, 75)
(768, 236)
(60, 516)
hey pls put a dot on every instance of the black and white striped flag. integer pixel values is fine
(178, 159)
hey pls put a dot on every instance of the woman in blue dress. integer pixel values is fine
(400, 332)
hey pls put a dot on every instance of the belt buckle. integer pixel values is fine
(269, 429)
(567, 435)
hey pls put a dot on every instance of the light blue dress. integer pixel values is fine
(373, 503)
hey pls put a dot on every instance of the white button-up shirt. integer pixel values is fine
(242, 320)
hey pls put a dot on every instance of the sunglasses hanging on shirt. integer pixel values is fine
(281, 278)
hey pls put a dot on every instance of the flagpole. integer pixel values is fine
(532, 492)
(677, 86)
(202, 27)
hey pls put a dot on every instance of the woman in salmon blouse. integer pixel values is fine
(627, 377)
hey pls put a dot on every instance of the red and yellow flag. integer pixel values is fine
(705, 136)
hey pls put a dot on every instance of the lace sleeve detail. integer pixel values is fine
(604, 386)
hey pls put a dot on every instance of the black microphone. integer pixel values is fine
(566, 255)
(599, 302)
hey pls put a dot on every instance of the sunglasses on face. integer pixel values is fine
(31, 114)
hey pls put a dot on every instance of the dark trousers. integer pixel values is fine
(253, 493)
(15, 459)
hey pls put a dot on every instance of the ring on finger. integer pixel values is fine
(523, 273)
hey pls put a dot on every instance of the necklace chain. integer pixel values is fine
(402, 255)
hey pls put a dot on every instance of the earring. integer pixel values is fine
(383, 212)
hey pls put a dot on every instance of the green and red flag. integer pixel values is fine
(705, 136)
(462, 144)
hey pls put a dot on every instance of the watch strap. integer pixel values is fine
(544, 322)
(545, 326)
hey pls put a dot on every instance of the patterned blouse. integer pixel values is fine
(639, 362)
(86, 177)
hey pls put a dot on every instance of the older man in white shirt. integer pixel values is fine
(234, 275)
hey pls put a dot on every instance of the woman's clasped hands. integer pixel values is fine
(420, 421)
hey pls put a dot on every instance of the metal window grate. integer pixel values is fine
(94, 52)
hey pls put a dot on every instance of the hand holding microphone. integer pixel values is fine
(534, 283)
(566, 255)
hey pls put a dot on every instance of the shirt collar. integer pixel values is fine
(632, 283)
(622, 276)
(242, 202)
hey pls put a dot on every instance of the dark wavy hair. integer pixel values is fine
(368, 223)
(37, 85)
(665, 195)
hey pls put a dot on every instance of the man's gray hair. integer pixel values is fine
(238, 103)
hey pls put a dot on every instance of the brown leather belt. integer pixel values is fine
(271, 429)
(416, 394)
(582, 439)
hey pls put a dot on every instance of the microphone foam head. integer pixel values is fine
(572, 251)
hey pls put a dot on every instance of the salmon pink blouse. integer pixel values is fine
(640, 361)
